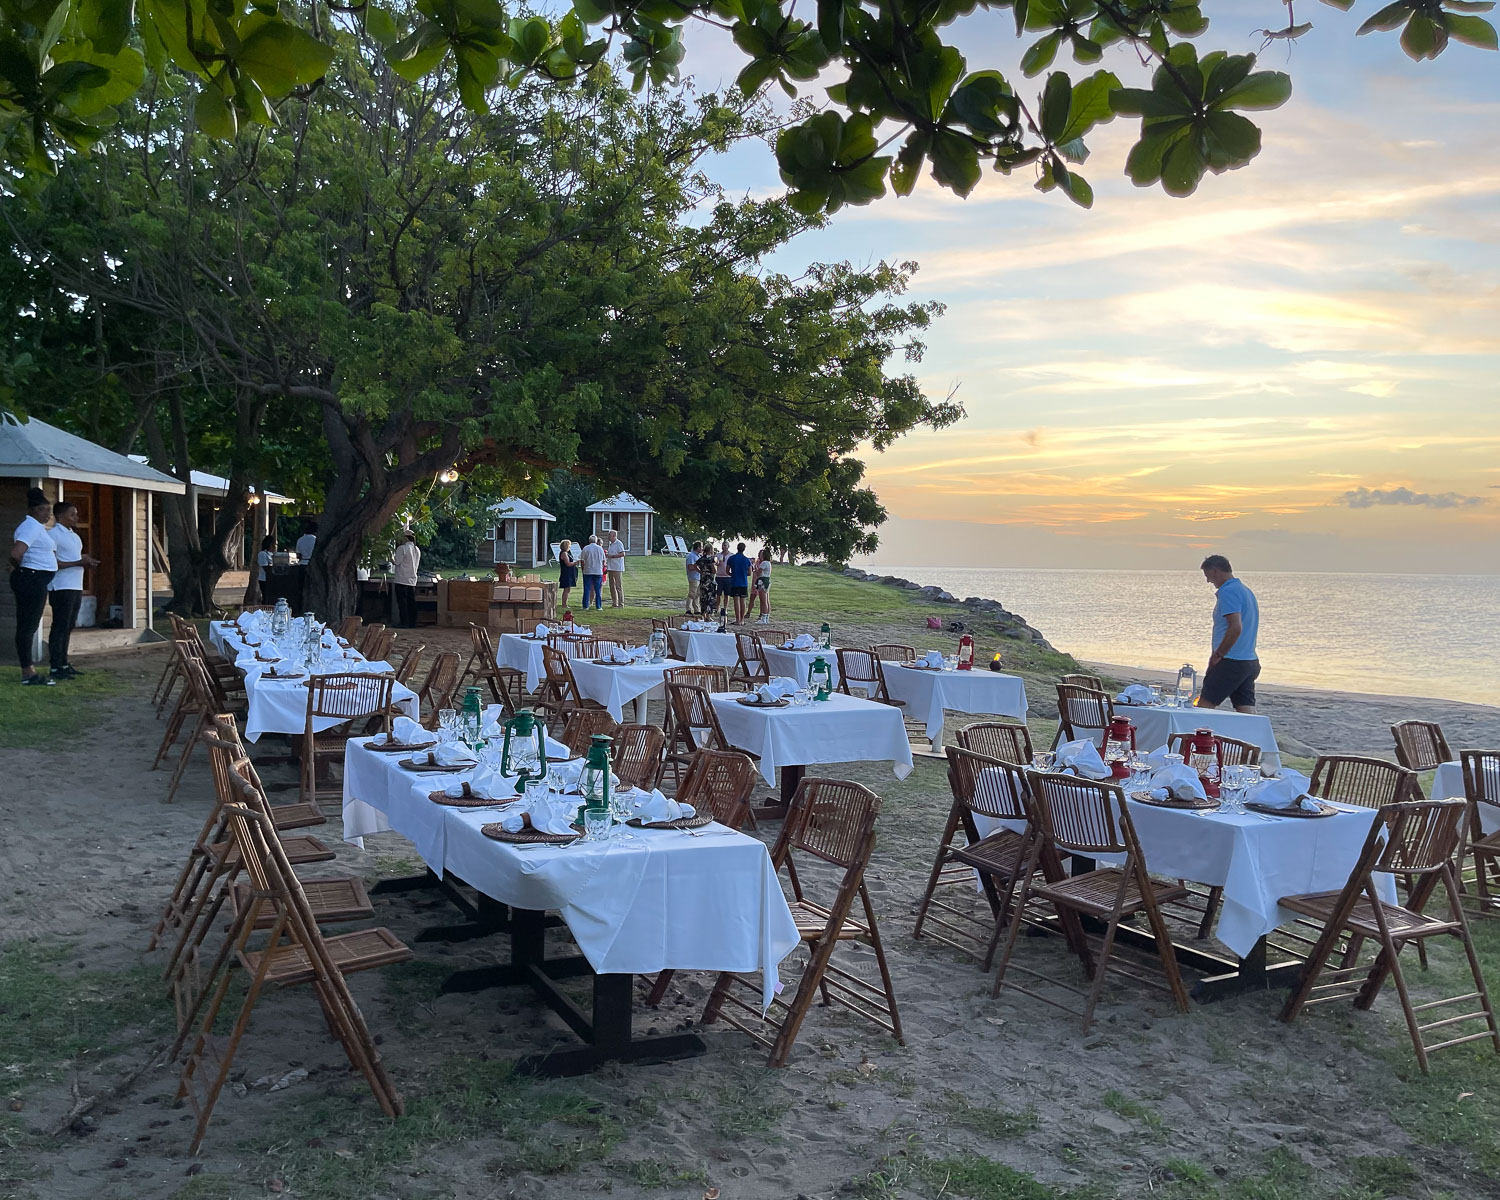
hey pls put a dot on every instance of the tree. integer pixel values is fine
(67, 67)
(413, 286)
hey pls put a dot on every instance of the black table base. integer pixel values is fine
(776, 810)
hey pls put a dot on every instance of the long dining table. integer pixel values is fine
(928, 693)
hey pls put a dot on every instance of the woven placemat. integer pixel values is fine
(468, 801)
(433, 768)
(398, 747)
(697, 821)
(1324, 809)
(529, 836)
(283, 674)
(1193, 802)
(922, 667)
(750, 702)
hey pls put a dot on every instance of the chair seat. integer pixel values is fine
(812, 920)
(341, 899)
(1488, 846)
(297, 816)
(1402, 922)
(1001, 853)
(1095, 892)
(300, 848)
(350, 952)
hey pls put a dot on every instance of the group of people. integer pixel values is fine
(47, 564)
(718, 578)
(596, 560)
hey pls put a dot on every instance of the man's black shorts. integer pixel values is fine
(1231, 679)
(739, 589)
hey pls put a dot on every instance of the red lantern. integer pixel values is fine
(1119, 742)
(1203, 751)
(568, 620)
(966, 653)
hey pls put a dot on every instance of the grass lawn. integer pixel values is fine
(29, 715)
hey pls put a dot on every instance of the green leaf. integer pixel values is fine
(909, 162)
(1232, 140)
(478, 71)
(419, 52)
(955, 162)
(1423, 37)
(1341, 5)
(1388, 17)
(1039, 55)
(1262, 90)
(1076, 187)
(1183, 166)
(1089, 105)
(1187, 20)
(1472, 31)
(1143, 164)
(1085, 51)
(1469, 6)
(214, 115)
(279, 56)
(126, 72)
(381, 26)
(1141, 102)
(106, 23)
(1057, 98)
(984, 103)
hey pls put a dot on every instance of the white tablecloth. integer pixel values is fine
(837, 730)
(1154, 724)
(615, 687)
(660, 901)
(523, 653)
(1448, 784)
(794, 663)
(927, 693)
(280, 705)
(714, 649)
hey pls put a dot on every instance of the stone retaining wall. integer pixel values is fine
(1009, 624)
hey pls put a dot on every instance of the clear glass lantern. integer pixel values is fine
(1187, 685)
(658, 645)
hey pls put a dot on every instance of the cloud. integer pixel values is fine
(1364, 497)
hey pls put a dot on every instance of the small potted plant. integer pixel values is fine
(502, 571)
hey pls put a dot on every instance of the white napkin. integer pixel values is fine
(1082, 758)
(775, 689)
(1136, 693)
(1179, 781)
(696, 626)
(582, 630)
(365, 667)
(449, 754)
(1283, 792)
(621, 655)
(541, 630)
(1157, 758)
(653, 806)
(803, 641)
(549, 813)
(489, 783)
(406, 732)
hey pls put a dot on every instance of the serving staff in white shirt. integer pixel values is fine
(66, 589)
(308, 540)
(614, 562)
(407, 557)
(33, 562)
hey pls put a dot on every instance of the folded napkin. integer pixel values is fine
(933, 658)
(1284, 792)
(697, 626)
(406, 732)
(449, 754)
(652, 806)
(775, 689)
(543, 811)
(1081, 758)
(267, 658)
(1136, 693)
(364, 666)
(621, 655)
(582, 630)
(541, 631)
(1178, 781)
(489, 783)
(803, 641)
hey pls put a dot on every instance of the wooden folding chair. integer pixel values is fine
(1082, 713)
(713, 679)
(367, 634)
(894, 652)
(1079, 816)
(832, 821)
(998, 739)
(438, 688)
(860, 670)
(1481, 770)
(410, 661)
(349, 629)
(1368, 782)
(752, 669)
(343, 699)
(1092, 682)
(202, 699)
(1420, 745)
(377, 647)
(1413, 839)
(294, 952)
(636, 756)
(582, 725)
(559, 697)
(507, 685)
(695, 726)
(996, 790)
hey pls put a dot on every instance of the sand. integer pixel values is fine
(88, 851)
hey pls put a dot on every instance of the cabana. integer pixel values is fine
(629, 517)
(519, 534)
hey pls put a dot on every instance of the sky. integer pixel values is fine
(1298, 366)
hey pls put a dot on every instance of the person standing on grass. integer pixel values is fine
(694, 576)
(591, 563)
(739, 581)
(708, 593)
(65, 592)
(567, 572)
(407, 558)
(721, 579)
(761, 586)
(614, 565)
(1233, 666)
(33, 563)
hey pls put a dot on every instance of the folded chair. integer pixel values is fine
(581, 727)
(410, 661)
(636, 756)
(367, 636)
(859, 670)
(752, 670)
(1414, 839)
(712, 679)
(201, 699)
(832, 821)
(1420, 745)
(1082, 713)
(558, 697)
(1079, 816)
(695, 726)
(507, 685)
(349, 629)
(343, 699)
(377, 647)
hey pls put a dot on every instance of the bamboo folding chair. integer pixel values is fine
(438, 688)
(695, 726)
(860, 669)
(1420, 745)
(1092, 682)
(377, 647)
(410, 661)
(832, 821)
(201, 700)
(772, 637)
(752, 669)
(582, 725)
(1082, 713)
(712, 679)
(367, 634)
(507, 685)
(982, 787)
(349, 629)
(559, 697)
(636, 756)
(224, 671)
(294, 952)
(1414, 839)
(343, 699)
(998, 739)
(1481, 770)
(1079, 816)
(894, 652)
(1368, 782)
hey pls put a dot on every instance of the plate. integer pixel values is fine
(530, 836)
(433, 769)
(1206, 805)
(398, 747)
(922, 667)
(696, 821)
(752, 702)
(468, 801)
(1324, 809)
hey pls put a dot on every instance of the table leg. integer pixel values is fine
(776, 810)
(640, 710)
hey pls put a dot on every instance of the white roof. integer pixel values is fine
(624, 502)
(517, 509)
(219, 486)
(35, 450)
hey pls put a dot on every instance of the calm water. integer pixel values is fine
(1413, 635)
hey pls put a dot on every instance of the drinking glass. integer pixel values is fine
(1140, 771)
(1156, 694)
(597, 823)
(1044, 760)
(448, 724)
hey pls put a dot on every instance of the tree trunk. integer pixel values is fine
(180, 514)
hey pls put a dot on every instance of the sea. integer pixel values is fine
(1403, 635)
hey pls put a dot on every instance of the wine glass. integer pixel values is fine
(448, 724)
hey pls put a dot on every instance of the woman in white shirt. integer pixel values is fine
(762, 589)
(33, 562)
(65, 591)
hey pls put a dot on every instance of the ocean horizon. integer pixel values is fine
(1386, 633)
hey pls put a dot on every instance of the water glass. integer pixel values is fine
(1044, 760)
(1156, 694)
(597, 824)
(448, 724)
(1140, 771)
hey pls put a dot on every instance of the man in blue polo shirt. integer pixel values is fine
(1233, 666)
(739, 582)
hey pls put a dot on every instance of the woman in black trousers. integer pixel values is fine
(33, 562)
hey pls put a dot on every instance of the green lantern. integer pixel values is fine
(525, 750)
(820, 678)
(473, 718)
(593, 782)
(826, 638)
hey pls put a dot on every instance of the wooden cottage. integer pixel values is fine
(519, 534)
(629, 517)
(115, 497)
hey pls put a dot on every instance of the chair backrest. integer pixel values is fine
(560, 685)
(349, 628)
(998, 739)
(752, 657)
(719, 782)
(860, 669)
(483, 647)
(378, 648)
(658, 625)
(693, 717)
(990, 787)
(347, 696)
(370, 632)
(440, 684)
(713, 679)
(1081, 815)
(581, 726)
(637, 755)
(1092, 682)
(1368, 782)
(1420, 745)
(894, 652)
(1083, 712)
(202, 687)
(1481, 770)
(410, 661)
(556, 548)
(1237, 753)
(772, 637)
(831, 819)
(1421, 835)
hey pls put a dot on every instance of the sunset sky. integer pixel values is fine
(1299, 365)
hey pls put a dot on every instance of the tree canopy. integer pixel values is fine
(69, 67)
